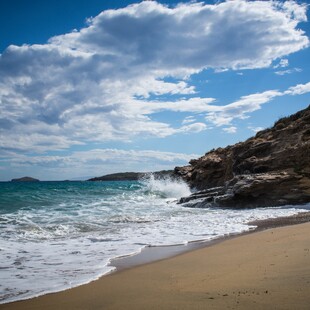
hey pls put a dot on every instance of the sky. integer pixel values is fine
(92, 87)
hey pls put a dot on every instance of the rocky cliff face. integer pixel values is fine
(272, 168)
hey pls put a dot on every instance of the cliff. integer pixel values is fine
(270, 169)
(133, 176)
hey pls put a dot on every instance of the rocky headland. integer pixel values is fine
(270, 169)
(134, 176)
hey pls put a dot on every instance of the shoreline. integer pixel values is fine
(155, 255)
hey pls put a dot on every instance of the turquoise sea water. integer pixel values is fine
(57, 235)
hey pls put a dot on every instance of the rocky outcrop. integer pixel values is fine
(25, 179)
(270, 169)
(134, 176)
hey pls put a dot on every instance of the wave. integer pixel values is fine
(166, 187)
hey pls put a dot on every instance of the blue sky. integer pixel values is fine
(95, 87)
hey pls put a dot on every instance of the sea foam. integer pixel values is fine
(167, 187)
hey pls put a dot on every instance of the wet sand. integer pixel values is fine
(267, 269)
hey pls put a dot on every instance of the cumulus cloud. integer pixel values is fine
(105, 81)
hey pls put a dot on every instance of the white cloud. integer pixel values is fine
(157, 87)
(256, 129)
(282, 63)
(188, 120)
(103, 156)
(288, 71)
(195, 127)
(231, 129)
(240, 109)
(223, 115)
(195, 35)
(98, 84)
(299, 89)
(195, 104)
(294, 10)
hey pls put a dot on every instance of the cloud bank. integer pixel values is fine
(105, 82)
(96, 162)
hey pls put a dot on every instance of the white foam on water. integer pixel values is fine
(62, 246)
(168, 187)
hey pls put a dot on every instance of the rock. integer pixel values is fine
(25, 179)
(270, 169)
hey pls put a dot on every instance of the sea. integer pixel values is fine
(58, 235)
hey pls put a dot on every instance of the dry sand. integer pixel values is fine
(268, 269)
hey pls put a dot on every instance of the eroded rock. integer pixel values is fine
(270, 169)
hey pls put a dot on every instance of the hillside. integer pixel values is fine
(133, 176)
(270, 169)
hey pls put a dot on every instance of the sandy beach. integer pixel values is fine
(268, 269)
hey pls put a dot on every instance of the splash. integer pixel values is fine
(166, 187)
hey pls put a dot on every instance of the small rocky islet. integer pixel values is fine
(25, 179)
(269, 169)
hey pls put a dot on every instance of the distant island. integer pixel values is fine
(133, 176)
(25, 179)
